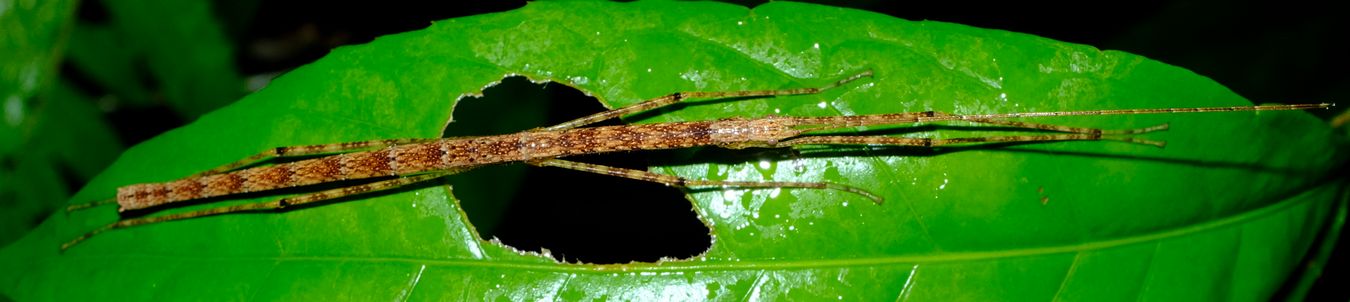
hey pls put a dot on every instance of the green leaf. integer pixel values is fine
(1226, 212)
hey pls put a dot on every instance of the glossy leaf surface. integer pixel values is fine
(1226, 211)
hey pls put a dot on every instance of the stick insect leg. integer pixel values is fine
(681, 96)
(263, 206)
(96, 203)
(676, 181)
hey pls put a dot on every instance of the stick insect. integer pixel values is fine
(400, 162)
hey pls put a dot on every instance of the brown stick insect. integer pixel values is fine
(402, 162)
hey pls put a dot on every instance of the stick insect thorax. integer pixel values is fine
(409, 161)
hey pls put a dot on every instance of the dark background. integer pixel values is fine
(1288, 51)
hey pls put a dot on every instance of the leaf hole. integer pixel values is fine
(575, 216)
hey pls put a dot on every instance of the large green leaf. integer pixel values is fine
(1226, 211)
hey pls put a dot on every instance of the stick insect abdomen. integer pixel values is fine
(356, 165)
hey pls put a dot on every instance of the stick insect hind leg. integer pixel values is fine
(277, 204)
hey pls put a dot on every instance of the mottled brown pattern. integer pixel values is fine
(622, 138)
(159, 192)
(480, 150)
(318, 170)
(417, 158)
(366, 164)
(583, 140)
(185, 189)
(134, 197)
(226, 183)
(266, 178)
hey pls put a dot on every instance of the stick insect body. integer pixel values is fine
(411, 161)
